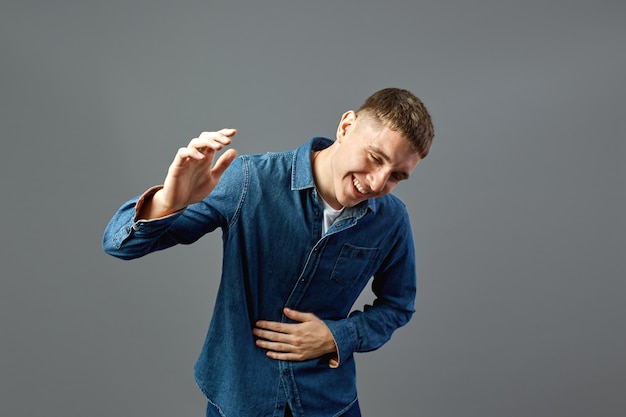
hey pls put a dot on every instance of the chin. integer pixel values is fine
(352, 201)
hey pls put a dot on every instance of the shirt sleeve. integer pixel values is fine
(395, 287)
(127, 237)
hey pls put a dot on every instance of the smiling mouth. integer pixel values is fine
(358, 186)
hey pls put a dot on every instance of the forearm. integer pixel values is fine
(155, 206)
(367, 330)
(395, 288)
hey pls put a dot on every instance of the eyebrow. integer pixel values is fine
(402, 174)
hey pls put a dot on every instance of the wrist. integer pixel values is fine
(153, 205)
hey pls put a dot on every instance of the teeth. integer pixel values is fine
(358, 186)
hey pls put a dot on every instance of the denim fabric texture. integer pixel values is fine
(275, 256)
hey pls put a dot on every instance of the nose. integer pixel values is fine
(378, 180)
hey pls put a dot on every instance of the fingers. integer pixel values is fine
(287, 355)
(206, 144)
(211, 142)
(222, 136)
(224, 161)
(276, 326)
(189, 152)
(279, 345)
(299, 316)
(227, 131)
(272, 329)
(275, 336)
(308, 338)
(268, 336)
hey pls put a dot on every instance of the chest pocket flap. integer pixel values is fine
(354, 264)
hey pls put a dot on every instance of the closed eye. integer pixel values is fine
(375, 158)
(380, 158)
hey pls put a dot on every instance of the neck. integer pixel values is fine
(323, 177)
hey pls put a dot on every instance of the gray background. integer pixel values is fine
(518, 212)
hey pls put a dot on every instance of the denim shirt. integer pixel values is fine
(276, 256)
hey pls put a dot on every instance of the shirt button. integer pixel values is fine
(279, 406)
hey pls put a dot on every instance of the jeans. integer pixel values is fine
(355, 411)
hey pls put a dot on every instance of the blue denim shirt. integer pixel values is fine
(275, 256)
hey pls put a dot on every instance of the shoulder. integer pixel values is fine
(268, 163)
(390, 204)
(390, 210)
(268, 157)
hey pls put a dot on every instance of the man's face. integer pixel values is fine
(370, 160)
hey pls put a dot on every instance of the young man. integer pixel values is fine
(303, 231)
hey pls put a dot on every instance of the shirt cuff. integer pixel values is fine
(346, 339)
(145, 197)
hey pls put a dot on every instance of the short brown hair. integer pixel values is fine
(401, 110)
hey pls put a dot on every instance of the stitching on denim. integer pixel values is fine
(219, 410)
(244, 190)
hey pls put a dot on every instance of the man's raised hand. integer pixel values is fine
(192, 175)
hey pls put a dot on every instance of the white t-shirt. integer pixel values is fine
(330, 214)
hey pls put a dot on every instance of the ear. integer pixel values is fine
(347, 122)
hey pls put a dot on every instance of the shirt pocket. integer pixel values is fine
(354, 264)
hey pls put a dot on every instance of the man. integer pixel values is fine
(303, 231)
